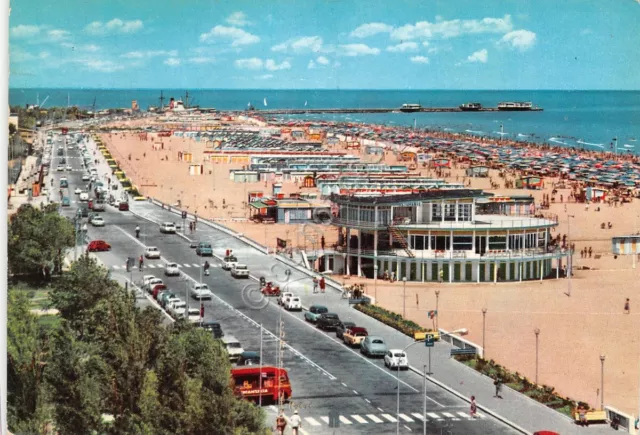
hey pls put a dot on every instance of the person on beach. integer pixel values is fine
(590, 251)
(627, 308)
(474, 407)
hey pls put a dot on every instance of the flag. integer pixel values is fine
(432, 314)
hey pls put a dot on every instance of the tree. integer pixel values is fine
(37, 239)
(12, 129)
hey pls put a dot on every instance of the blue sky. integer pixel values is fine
(372, 44)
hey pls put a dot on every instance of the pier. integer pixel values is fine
(377, 110)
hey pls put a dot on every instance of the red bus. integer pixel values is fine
(246, 383)
(65, 130)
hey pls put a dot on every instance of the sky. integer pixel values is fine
(326, 44)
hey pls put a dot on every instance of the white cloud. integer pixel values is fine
(149, 54)
(479, 56)
(271, 65)
(322, 60)
(103, 65)
(201, 60)
(304, 44)
(237, 19)
(89, 47)
(358, 50)
(402, 47)
(237, 36)
(252, 63)
(114, 26)
(25, 31)
(311, 64)
(452, 28)
(425, 44)
(519, 39)
(172, 61)
(370, 29)
(420, 59)
(265, 77)
(55, 35)
(23, 56)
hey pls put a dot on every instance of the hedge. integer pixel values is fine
(389, 318)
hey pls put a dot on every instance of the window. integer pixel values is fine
(418, 243)
(449, 212)
(436, 212)
(541, 238)
(442, 243)
(462, 243)
(497, 243)
(464, 212)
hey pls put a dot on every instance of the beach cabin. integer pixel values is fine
(184, 156)
(290, 210)
(478, 171)
(254, 195)
(264, 209)
(243, 176)
(196, 169)
(625, 245)
(276, 190)
(530, 182)
(596, 194)
(373, 149)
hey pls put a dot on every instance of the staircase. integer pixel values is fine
(397, 236)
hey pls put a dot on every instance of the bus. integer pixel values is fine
(246, 383)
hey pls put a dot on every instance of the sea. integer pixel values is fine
(592, 120)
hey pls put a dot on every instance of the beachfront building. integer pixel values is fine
(442, 234)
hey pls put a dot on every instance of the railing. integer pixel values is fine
(479, 224)
(457, 254)
(356, 223)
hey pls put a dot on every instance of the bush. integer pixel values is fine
(389, 318)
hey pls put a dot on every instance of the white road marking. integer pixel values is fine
(195, 265)
(359, 419)
(312, 421)
(151, 266)
(380, 409)
(405, 418)
(464, 415)
(480, 415)
(354, 391)
(434, 415)
(449, 415)
(367, 400)
(407, 427)
(343, 384)
(345, 420)
(186, 265)
(418, 416)
(374, 418)
(325, 419)
(116, 267)
(390, 418)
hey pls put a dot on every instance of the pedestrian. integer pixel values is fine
(323, 284)
(498, 385)
(296, 422)
(474, 407)
(627, 309)
(590, 251)
(322, 242)
(315, 284)
(281, 424)
(440, 276)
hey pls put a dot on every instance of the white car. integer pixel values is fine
(84, 196)
(69, 168)
(152, 252)
(396, 359)
(150, 284)
(146, 279)
(229, 262)
(60, 168)
(200, 291)
(78, 191)
(193, 315)
(177, 309)
(233, 346)
(240, 271)
(293, 303)
(283, 297)
(97, 221)
(171, 269)
(167, 228)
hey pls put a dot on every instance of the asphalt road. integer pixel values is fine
(325, 374)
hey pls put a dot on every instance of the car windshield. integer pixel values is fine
(295, 299)
(179, 304)
(399, 355)
(230, 259)
(205, 245)
(234, 345)
(361, 334)
(152, 249)
(172, 265)
(331, 316)
(202, 287)
(240, 267)
(194, 312)
(377, 342)
(322, 310)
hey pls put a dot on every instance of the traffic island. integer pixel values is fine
(394, 320)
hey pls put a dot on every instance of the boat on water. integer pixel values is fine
(515, 106)
(408, 108)
(470, 107)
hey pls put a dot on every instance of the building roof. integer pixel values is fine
(427, 195)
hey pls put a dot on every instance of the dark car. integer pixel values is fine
(214, 327)
(343, 326)
(328, 321)
(123, 206)
(98, 245)
(249, 358)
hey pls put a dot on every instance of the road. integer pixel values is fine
(326, 375)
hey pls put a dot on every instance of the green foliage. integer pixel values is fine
(12, 129)
(390, 318)
(38, 238)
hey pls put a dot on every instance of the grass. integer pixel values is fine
(39, 300)
(49, 321)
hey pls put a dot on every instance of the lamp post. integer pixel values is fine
(602, 357)
(437, 302)
(404, 297)
(375, 282)
(484, 318)
(537, 332)
(570, 257)
(457, 331)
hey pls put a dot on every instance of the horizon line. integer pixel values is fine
(326, 89)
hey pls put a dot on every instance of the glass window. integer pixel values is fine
(436, 212)
(497, 242)
(462, 243)
(464, 212)
(449, 212)
(442, 243)
(418, 243)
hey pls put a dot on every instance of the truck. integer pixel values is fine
(267, 383)
(354, 336)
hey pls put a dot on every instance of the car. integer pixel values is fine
(293, 303)
(204, 249)
(373, 346)
(200, 291)
(283, 297)
(78, 191)
(151, 283)
(193, 315)
(157, 289)
(60, 168)
(396, 359)
(98, 246)
(240, 271)
(177, 309)
(64, 182)
(315, 311)
(167, 228)
(123, 206)
(229, 262)
(66, 202)
(171, 269)
(249, 358)
(167, 299)
(214, 327)
(342, 327)
(159, 294)
(92, 216)
(152, 252)
(98, 206)
(194, 244)
(97, 221)
(328, 321)
(233, 346)
(146, 279)
(69, 168)
(353, 336)
(84, 196)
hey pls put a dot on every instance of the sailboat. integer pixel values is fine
(265, 101)
(305, 104)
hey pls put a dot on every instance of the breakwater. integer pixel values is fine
(375, 110)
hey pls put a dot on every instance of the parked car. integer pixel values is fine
(314, 313)
(167, 228)
(396, 359)
(146, 279)
(177, 309)
(283, 297)
(98, 246)
(193, 315)
(123, 206)
(157, 288)
(200, 291)
(85, 177)
(240, 271)
(167, 300)
(354, 336)
(293, 303)
(214, 327)
(249, 358)
(152, 252)
(233, 346)
(97, 222)
(204, 249)
(171, 269)
(373, 346)
(148, 286)
(328, 321)
(342, 327)
(229, 262)
(66, 202)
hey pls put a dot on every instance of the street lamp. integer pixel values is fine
(462, 331)
(437, 302)
(484, 318)
(404, 297)
(375, 282)
(602, 382)
(537, 332)
(570, 258)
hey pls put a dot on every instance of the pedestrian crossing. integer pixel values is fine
(161, 266)
(382, 418)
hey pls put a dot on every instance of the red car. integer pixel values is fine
(157, 289)
(123, 206)
(98, 245)
(90, 205)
